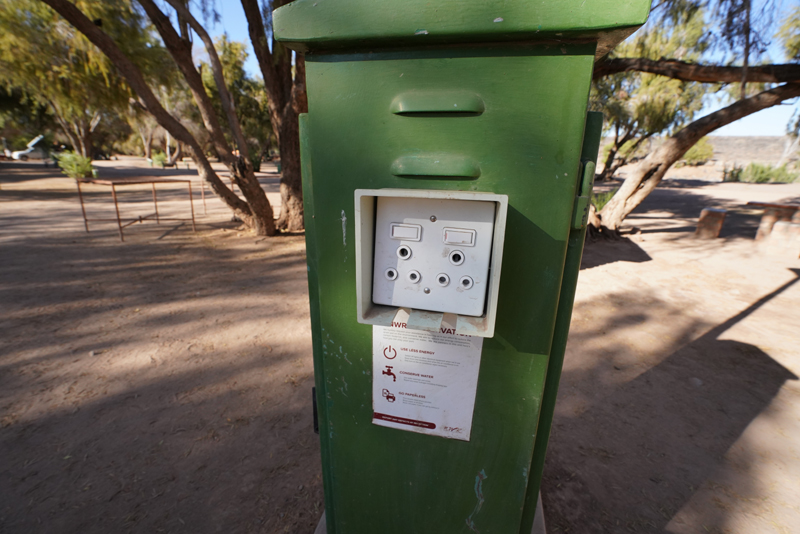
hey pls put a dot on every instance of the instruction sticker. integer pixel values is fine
(423, 381)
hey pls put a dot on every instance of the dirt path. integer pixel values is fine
(163, 384)
(160, 385)
(679, 406)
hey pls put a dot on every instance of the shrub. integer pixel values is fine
(734, 174)
(74, 165)
(762, 174)
(601, 199)
(159, 158)
(626, 151)
(700, 153)
(255, 159)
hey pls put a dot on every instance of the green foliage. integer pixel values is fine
(21, 117)
(74, 165)
(700, 153)
(632, 149)
(53, 65)
(756, 173)
(159, 159)
(638, 105)
(249, 96)
(734, 174)
(601, 199)
(605, 151)
(255, 159)
(789, 35)
(763, 174)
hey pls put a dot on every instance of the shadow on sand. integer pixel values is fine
(680, 417)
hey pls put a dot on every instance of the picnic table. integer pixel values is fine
(123, 223)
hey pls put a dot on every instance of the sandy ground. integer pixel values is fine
(157, 385)
(163, 384)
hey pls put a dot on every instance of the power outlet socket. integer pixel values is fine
(433, 254)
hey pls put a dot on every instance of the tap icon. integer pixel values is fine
(388, 372)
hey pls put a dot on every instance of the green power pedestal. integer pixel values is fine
(448, 160)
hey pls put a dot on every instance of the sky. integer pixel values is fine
(771, 121)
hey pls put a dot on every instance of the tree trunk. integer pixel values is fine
(241, 168)
(287, 99)
(147, 141)
(65, 127)
(148, 101)
(178, 153)
(651, 170)
(87, 144)
(746, 60)
(291, 217)
(692, 72)
(607, 172)
(258, 214)
(789, 148)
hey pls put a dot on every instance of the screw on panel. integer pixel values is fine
(433, 218)
(427, 290)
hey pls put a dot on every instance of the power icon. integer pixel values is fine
(390, 353)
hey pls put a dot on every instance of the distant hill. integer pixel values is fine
(741, 150)
(762, 149)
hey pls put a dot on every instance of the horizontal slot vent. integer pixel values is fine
(439, 166)
(458, 103)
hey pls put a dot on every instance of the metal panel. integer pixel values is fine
(527, 143)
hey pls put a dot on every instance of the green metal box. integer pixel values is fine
(383, 77)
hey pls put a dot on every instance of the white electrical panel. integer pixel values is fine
(433, 254)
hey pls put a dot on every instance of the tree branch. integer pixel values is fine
(95, 121)
(219, 78)
(651, 170)
(741, 108)
(134, 77)
(258, 38)
(691, 72)
(181, 52)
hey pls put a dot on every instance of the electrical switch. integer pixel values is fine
(410, 232)
(459, 236)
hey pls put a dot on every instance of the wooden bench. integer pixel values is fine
(710, 223)
(774, 213)
(779, 229)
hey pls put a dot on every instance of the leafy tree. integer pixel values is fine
(145, 127)
(789, 34)
(249, 97)
(700, 153)
(638, 106)
(43, 57)
(255, 210)
(746, 41)
(21, 118)
(284, 75)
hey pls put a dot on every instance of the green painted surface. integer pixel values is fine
(325, 24)
(381, 119)
(386, 480)
(572, 265)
